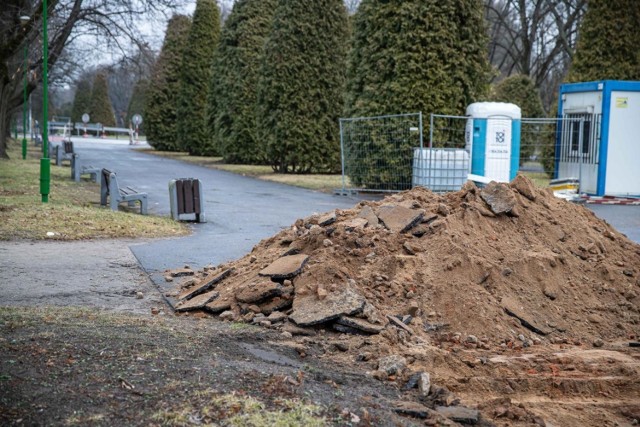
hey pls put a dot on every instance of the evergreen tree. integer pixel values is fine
(137, 101)
(410, 56)
(301, 85)
(236, 65)
(160, 110)
(101, 109)
(608, 42)
(195, 77)
(520, 90)
(81, 101)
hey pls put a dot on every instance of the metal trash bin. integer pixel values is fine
(186, 200)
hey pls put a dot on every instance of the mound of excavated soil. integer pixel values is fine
(507, 265)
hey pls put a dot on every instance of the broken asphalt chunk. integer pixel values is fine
(398, 218)
(360, 324)
(514, 309)
(205, 284)
(326, 219)
(499, 197)
(459, 414)
(181, 272)
(285, 267)
(253, 292)
(368, 214)
(197, 302)
(412, 409)
(309, 310)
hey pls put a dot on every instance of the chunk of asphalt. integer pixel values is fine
(368, 214)
(459, 414)
(514, 309)
(398, 218)
(197, 302)
(326, 219)
(220, 304)
(285, 267)
(360, 324)
(254, 292)
(308, 310)
(499, 197)
(205, 284)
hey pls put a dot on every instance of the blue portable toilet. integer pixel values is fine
(493, 139)
(606, 159)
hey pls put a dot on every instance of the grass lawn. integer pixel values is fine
(320, 182)
(73, 211)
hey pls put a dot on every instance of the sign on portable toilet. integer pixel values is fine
(493, 139)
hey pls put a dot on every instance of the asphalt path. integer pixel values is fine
(240, 210)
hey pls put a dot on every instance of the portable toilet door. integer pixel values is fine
(493, 138)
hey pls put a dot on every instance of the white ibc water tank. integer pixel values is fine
(440, 169)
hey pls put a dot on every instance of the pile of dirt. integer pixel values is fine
(508, 265)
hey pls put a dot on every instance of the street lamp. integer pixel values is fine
(45, 163)
(24, 20)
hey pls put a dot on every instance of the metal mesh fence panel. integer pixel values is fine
(386, 153)
(377, 152)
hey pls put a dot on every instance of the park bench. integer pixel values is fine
(63, 152)
(109, 188)
(77, 170)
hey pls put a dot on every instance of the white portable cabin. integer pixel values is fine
(598, 138)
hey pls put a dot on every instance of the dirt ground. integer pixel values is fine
(78, 348)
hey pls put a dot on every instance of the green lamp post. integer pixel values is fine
(45, 163)
(24, 20)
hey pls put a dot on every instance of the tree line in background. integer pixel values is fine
(269, 85)
(281, 73)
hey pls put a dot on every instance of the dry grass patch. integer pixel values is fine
(320, 182)
(73, 210)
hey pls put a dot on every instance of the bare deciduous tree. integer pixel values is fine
(535, 38)
(115, 23)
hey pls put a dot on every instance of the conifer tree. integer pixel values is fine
(608, 42)
(232, 99)
(409, 56)
(162, 96)
(101, 109)
(81, 101)
(195, 77)
(300, 91)
(520, 90)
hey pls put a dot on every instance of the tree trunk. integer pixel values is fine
(5, 120)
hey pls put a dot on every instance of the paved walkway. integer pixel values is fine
(240, 210)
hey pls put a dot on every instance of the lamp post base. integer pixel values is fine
(24, 148)
(45, 178)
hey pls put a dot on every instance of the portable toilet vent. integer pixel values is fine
(493, 138)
